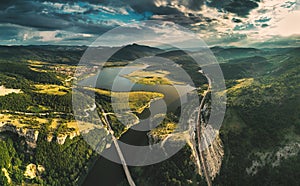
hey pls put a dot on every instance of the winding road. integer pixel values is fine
(199, 132)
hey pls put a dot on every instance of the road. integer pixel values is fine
(125, 167)
(199, 132)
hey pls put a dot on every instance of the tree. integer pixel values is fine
(3, 179)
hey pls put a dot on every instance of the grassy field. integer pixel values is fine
(52, 89)
(241, 83)
(31, 121)
(151, 78)
(163, 131)
(138, 100)
(37, 66)
(22, 120)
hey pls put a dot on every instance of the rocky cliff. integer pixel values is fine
(213, 150)
(31, 134)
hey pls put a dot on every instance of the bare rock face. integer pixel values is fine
(60, 139)
(30, 172)
(30, 135)
(74, 134)
(273, 158)
(214, 155)
(33, 171)
(49, 138)
(212, 151)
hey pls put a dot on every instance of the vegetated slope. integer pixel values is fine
(235, 53)
(9, 68)
(53, 54)
(261, 130)
(133, 52)
(59, 164)
(65, 163)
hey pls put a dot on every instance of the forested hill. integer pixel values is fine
(260, 133)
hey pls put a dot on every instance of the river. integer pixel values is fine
(105, 172)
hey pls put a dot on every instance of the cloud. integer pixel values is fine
(73, 16)
(287, 26)
(66, 8)
(226, 21)
(20, 35)
(264, 22)
(155, 6)
(166, 7)
(279, 42)
(239, 7)
(31, 20)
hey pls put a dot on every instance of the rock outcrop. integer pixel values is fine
(33, 171)
(273, 158)
(213, 150)
(31, 134)
(60, 139)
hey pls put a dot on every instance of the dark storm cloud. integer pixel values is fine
(32, 20)
(62, 16)
(76, 1)
(184, 20)
(30, 14)
(89, 28)
(239, 7)
(6, 3)
(188, 12)
(165, 9)
(149, 6)
(27, 13)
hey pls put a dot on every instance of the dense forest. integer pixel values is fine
(64, 164)
(262, 117)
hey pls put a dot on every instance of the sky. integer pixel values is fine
(217, 22)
